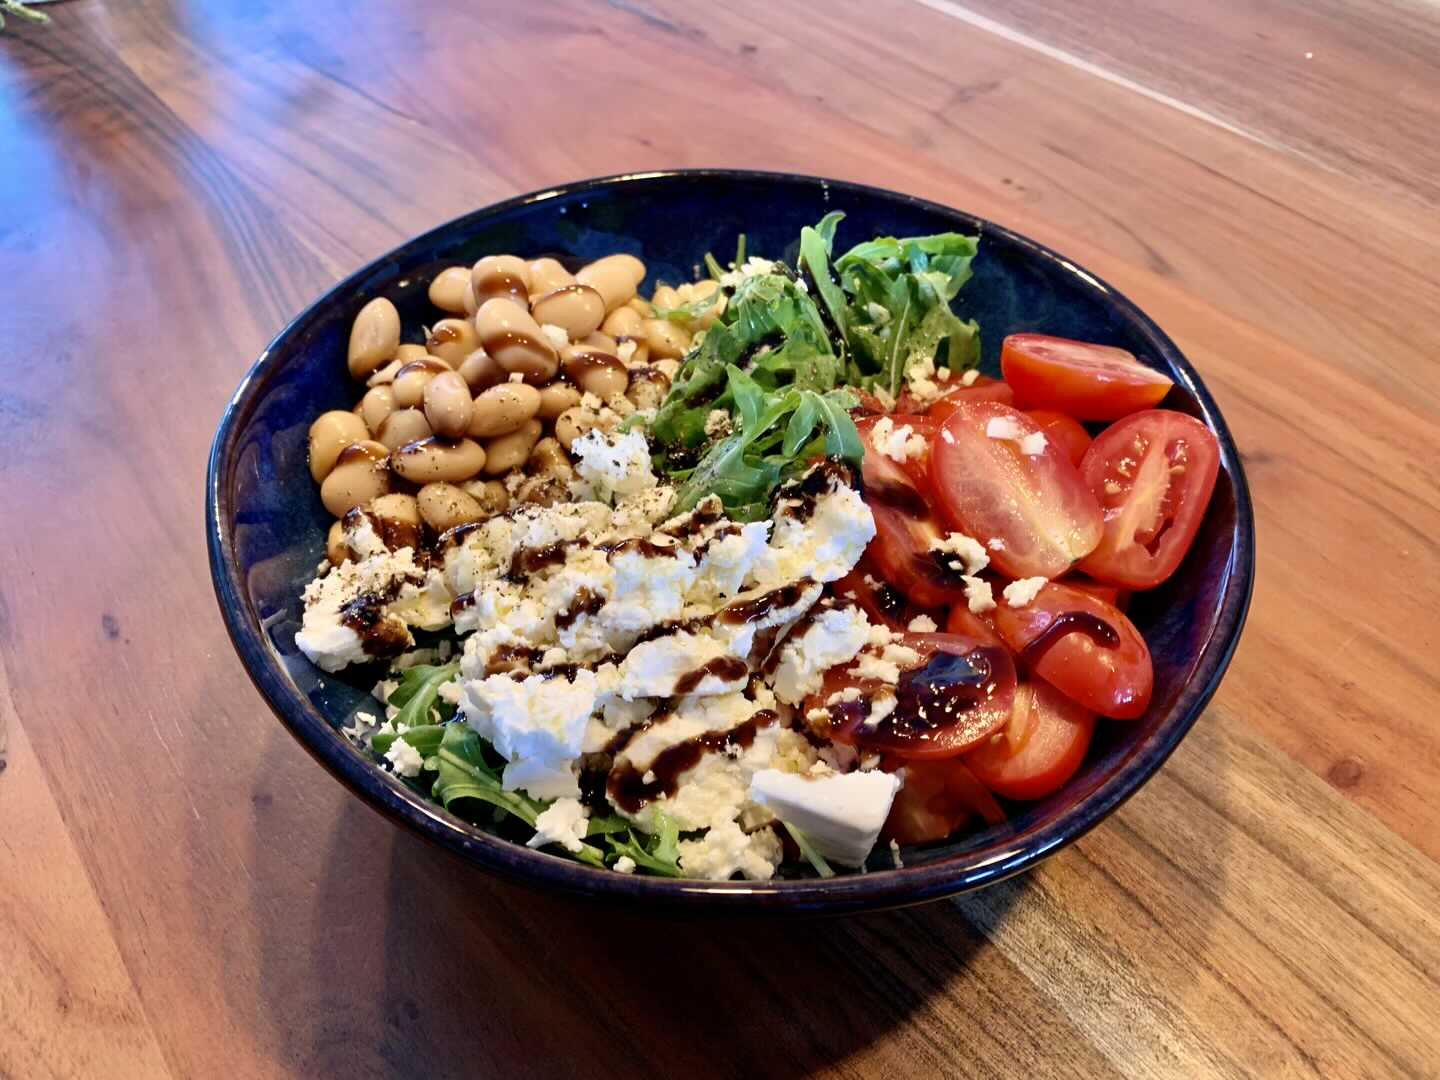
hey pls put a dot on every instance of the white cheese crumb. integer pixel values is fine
(899, 444)
(922, 624)
(626, 351)
(556, 335)
(718, 424)
(1019, 593)
(979, 595)
(971, 552)
(995, 544)
(564, 823)
(970, 377)
(944, 374)
(517, 376)
(404, 758)
(1004, 427)
(615, 464)
(624, 865)
(1033, 445)
(895, 855)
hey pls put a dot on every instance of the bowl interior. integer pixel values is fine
(267, 527)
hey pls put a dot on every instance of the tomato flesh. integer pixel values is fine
(1153, 474)
(1065, 431)
(1040, 748)
(905, 528)
(1112, 680)
(1089, 382)
(1036, 505)
(984, 388)
(953, 695)
(936, 798)
(882, 602)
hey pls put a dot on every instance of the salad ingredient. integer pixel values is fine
(950, 693)
(840, 814)
(981, 388)
(906, 554)
(1065, 431)
(1153, 474)
(1084, 647)
(374, 337)
(992, 488)
(1088, 382)
(936, 799)
(1041, 746)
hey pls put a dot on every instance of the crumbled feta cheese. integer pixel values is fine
(404, 759)
(555, 335)
(1019, 593)
(840, 814)
(402, 595)
(944, 374)
(995, 544)
(970, 377)
(517, 376)
(624, 865)
(895, 855)
(834, 637)
(564, 823)
(726, 850)
(625, 350)
(614, 464)
(1004, 427)
(922, 624)
(823, 548)
(979, 596)
(1033, 445)
(752, 267)
(537, 725)
(972, 555)
(899, 444)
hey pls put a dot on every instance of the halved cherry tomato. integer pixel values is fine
(1036, 505)
(1065, 431)
(953, 693)
(1153, 473)
(936, 798)
(881, 601)
(984, 388)
(1111, 594)
(1089, 382)
(1093, 655)
(905, 529)
(1040, 747)
(967, 623)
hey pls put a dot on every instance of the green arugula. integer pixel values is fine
(658, 853)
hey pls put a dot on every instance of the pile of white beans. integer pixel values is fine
(527, 358)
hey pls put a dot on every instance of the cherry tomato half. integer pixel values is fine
(1094, 655)
(1111, 594)
(984, 388)
(1153, 474)
(1036, 505)
(935, 800)
(1065, 431)
(1089, 382)
(1040, 747)
(953, 693)
(905, 528)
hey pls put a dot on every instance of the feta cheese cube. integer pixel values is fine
(840, 814)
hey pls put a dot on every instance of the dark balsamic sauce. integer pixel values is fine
(725, 668)
(1071, 622)
(379, 637)
(584, 602)
(630, 790)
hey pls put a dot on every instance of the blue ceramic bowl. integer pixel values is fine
(266, 527)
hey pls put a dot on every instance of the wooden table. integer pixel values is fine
(184, 893)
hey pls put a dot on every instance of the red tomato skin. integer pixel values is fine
(1042, 746)
(1115, 682)
(969, 729)
(1088, 382)
(1037, 505)
(1119, 559)
(936, 799)
(905, 527)
(966, 623)
(984, 388)
(1063, 430)
(1111, 594)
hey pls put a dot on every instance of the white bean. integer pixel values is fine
(374, 337)
(451, 460)
(452, 340)
(513, 338)
(447, 289)
(330, 433)
(503, 409)
(447, 404)
(359, 475)
(511, 451)
(403, 426)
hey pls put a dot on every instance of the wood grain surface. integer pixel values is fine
(184, 893)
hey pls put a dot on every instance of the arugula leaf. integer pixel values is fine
(425, 738)
(660, 854)
(419, 693)
(815, 245)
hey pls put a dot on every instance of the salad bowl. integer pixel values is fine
(266, 527)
